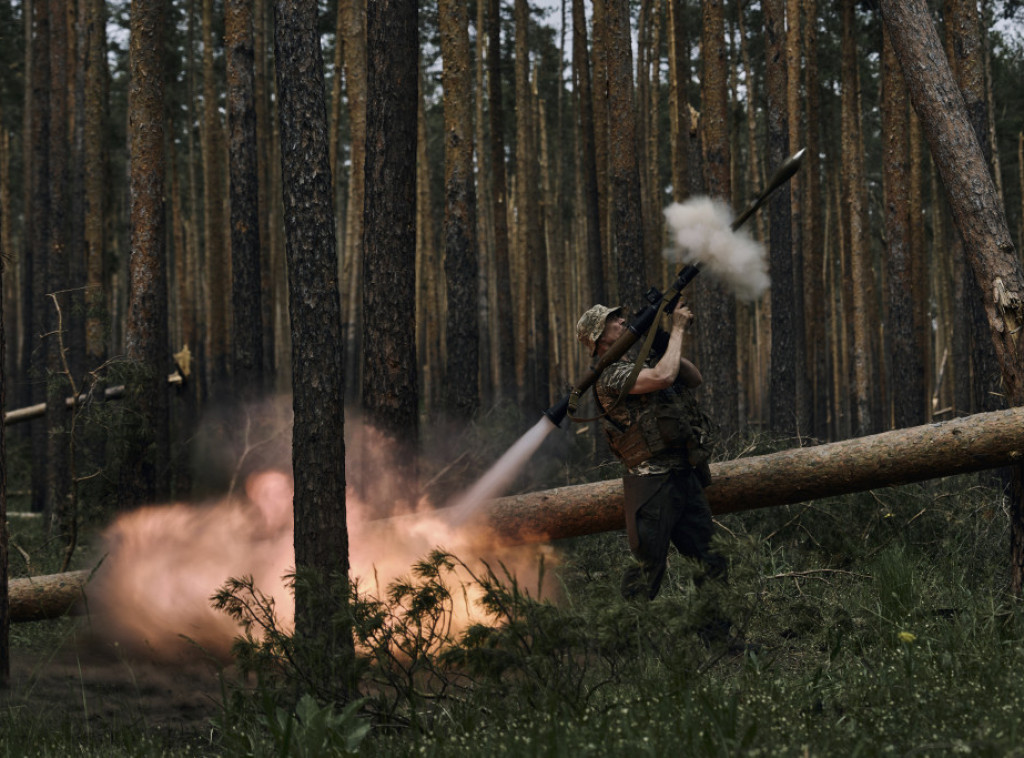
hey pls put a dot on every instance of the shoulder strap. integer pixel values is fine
(641, 357)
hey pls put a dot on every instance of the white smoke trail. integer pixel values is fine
(700, 232)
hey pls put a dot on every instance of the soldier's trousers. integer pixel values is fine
(670, 509)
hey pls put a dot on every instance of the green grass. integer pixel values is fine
(873, 624)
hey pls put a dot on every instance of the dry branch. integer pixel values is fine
(38, 410)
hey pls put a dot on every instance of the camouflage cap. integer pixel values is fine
(591, 325)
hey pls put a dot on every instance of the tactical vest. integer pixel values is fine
(667, 424)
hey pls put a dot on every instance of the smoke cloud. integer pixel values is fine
(700, 233)
(150, 596)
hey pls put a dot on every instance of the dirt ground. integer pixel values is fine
(81, 680)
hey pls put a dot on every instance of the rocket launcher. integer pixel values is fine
(661, 302)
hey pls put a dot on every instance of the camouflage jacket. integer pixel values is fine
(653, 432)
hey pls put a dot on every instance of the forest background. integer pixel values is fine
(545, 155)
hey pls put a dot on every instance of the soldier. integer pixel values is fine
(655, 427)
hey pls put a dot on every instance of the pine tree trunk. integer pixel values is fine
(146, 437)
(485, 217)
(5, 616)
(679, 103)
(715, 306)
(859, 264)
(216, 263)
(804, 404)
(587, 158)
(968, 67)
(532, 334)
(906, 365)
(505, 343)
(274, 288)
(38, 196)
(921, 270)
(354, 12)
(782, 392)
(461, 261)
(318, 438)
(246, 288)
(95, 184)
(390, 394)
(624, 165)
(976, 210)
(58, 381)
(817, 351)
(430, 292)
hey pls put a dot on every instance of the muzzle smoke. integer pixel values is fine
(700, 232)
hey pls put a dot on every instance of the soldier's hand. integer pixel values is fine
(682, 316)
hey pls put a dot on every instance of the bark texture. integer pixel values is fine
(318, 439)
(860, 266)
(499, 197)
(389, 380)
(716, 306)
(461, 254)
(246, 306)
(782, 380)
(216, 264)
(962, 445)
(907, 366)
(144, 464)
(623, 159)
(977, 212)
(58, 316)
(591, 223)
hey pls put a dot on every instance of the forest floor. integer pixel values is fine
(104, 692)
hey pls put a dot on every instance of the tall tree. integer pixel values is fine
(532, 332)
(587, 157)
(795, 22)
(58, 385)
(389, 389)
(143, 476)
(246, 306)
(505, 343)
(95, 184)
(318, 438)
(37, 190)
(782, 395)
(354, 20)
(907, 366)
(678, 99)
(716, 307)
(499, 197)
(814, 258)
(461, 256)
(601, 65)
(968, 69)
(217, 260)
(5, 618)
(624, 165)
(977, 211)
(853, 173)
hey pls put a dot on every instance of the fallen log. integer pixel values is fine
(903, 456)
(957, 446)
(46, 597)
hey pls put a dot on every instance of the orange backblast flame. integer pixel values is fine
(151, 594)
